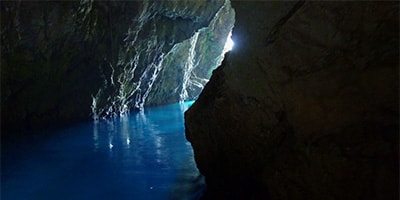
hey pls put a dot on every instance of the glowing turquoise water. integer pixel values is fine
(142, 156)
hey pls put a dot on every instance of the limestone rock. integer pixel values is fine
(188, 66)
(64, 62)
(305, 106)
(168, 55)
(51, 58)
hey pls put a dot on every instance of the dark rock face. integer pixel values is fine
(51, 58)
(305, 106)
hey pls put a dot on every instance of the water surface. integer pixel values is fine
(142, 156)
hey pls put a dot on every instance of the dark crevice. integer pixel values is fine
(275, 29)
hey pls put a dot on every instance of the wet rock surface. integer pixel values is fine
(168, 56)
(305, 106)
(64, 62)
(51, 55)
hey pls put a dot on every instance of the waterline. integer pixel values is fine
(140, 156)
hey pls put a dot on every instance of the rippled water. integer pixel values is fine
(142, 156)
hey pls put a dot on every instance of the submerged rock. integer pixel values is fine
(305, 106)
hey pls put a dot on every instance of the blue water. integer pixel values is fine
(142, 156)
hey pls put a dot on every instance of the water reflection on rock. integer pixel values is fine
(151, 144)
(141, 156)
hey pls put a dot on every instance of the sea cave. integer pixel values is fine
(208, 99)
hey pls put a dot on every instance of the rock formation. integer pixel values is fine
(305, 106)
(169, 53)
(51, 54)
(64, 62)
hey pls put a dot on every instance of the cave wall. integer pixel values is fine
(191, 62)
(68, 61)
(52, 55)
(168, 55)
(305, 106)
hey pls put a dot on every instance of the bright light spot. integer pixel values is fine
(110, 146)
(128, 141)
(229, 43)
(158, 141)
